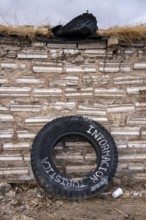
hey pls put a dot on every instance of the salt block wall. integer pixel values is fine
(42, 81)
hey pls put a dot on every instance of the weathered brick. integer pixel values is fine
(47, 69)
(112, 41)
(62, 106)
(38, 44)
(39, 119)
(3, 108)
(65, 156)
(47, 92)
(6, 117)
(25, 108)
(113, 92)
(32, 54)
(137, 144)
(135, 157)
(7, 157)
(24, 134)
(136, 90)
(9, 65)
(140, 106)
(121, 108)
(128, 80)
(3, 80)
(95, 52)
(29, 80)
(14, 91)
(125, 131)
(139, 66)
(136, 166)
(79, 169)
(109, 67)
(62, 46)
(135, 120)
(121, 145)
(70, 92)
(6, 133)
(99, 118)
(56, 53)
(97, 45)
(143, 132)
(71, 51)
(89, 110)
(82, 69)
(14, 171)
(18, 146)
(122, 166)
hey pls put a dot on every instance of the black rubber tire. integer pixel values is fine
(52, 180)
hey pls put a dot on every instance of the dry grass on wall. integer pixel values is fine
(25, 31)
(126, 33)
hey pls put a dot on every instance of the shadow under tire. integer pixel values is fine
(55, 182)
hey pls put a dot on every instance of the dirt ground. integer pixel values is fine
(23, 202)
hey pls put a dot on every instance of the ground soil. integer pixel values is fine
(23, 202)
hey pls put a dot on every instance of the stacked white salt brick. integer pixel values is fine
(42, 81)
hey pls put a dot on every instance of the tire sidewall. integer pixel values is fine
(50, 178)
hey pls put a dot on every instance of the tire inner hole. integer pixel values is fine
(74, 157)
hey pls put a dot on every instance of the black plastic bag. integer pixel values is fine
(82, 26)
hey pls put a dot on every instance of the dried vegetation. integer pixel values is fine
(125, 33)
(25, 31)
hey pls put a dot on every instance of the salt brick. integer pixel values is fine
(79, 169)
(99, 52)
(128, 80)
(132, 157)
(71, 51)
(136, 166)
(3, 108)
(32, 54)
(83, 69)
(143, 132)
(62, 46)
(17, 146)
(3, 80)
(97, 45)
(109, 92)
(39, 119)
(136, 120)
(99, 119)
(122, 166)
(139, 66)
(10, 158)
(15, 171)
(136, 90)
(15, 91)
(137, 144)
(9, 65)
(125, 131)
(25, 108)
(62, 105)
(109, 69)
(30, 80)
(69, 157)
(6, 133)
(47, 69)
(120, 108)
(6, 117)
(47, 92)
(25, 134)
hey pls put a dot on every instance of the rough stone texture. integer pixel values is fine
(41, 81)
